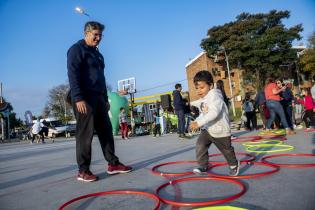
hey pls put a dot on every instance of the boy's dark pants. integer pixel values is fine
(157, 129)
(223, 144)
(96, 118)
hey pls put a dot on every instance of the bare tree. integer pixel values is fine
(57, 105)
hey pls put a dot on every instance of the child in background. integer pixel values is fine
(248, 108)
(156, 124)
(214, 123)
(123, 123)
(309, 107)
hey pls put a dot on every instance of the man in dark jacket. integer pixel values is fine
(90, 102)
(179, 107)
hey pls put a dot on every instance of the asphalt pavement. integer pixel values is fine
(43, 176)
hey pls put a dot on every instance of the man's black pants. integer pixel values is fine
(96, 119)
(181, 121)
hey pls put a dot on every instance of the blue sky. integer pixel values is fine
(149, 39)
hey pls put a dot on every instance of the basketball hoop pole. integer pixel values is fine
(132, 121)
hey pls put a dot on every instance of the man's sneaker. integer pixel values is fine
(118, 169)
(86, 176)
(234, 170)
(200, 170)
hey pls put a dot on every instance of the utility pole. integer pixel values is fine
(1, 119)
(230, 82)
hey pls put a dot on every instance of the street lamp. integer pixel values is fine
(229, 75)
(81, 11)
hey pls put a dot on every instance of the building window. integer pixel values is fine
(233, 84)
(215, 72)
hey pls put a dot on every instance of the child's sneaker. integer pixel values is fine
(234, 170)
(118, 169)
(200, 170)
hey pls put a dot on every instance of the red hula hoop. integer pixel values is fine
(205, 203)
(274, 137)
(287, 165)
(249, 176)
(251, 157)
(310, 130)
(153, 170)
(246, 138)
(114, 192)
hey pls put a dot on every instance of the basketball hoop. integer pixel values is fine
(127, 86)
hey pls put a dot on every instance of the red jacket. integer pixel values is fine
(307, 102)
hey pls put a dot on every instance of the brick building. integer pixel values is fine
(218, 69)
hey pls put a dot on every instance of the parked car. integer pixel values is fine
(70, 129)
(55, 128)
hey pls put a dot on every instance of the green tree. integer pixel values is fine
(308, 58)
(257, 43)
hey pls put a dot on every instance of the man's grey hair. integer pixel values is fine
(93, 25)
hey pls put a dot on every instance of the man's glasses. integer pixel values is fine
(96, 35)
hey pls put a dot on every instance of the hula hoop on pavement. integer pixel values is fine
(287, 165)
(309, 130)
(272, 132)
(246, 138)
(205, 203)
(273, 137)
(285, 147)
(272, 142)
(114, 192)
(251, 157)
(153, 170)
(249, 176)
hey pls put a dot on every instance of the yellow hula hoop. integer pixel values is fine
(274, 132)
(272, 142)
(284, 148)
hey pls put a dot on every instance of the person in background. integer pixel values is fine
(309, 108)
(156, 124)
(123, 123)
(220, 86)
(179, 107)
(313, 88)
(272, 91)
(260, 104)
(214, 123)
(90, 103)
(286, 102)
(37, 129)
(187, 116)
(248, 107)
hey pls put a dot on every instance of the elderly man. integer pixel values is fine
(90, 102)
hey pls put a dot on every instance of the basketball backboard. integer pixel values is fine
(127, 85)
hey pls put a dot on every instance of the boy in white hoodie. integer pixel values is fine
(214, 123)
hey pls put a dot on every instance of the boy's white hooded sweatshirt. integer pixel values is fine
(214, 114)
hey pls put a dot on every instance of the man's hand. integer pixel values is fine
(194, 126)
(81, 107)
(107, 106)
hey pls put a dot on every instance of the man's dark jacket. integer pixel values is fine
(178, 102)
(85, 71)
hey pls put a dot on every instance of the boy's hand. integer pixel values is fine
(194, 126)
